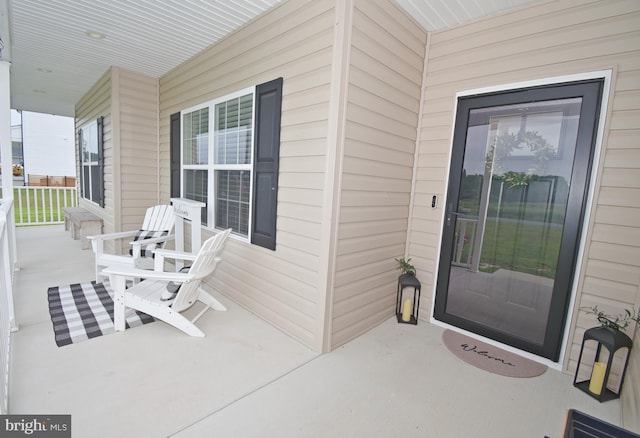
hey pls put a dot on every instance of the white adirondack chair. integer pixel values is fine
(156, 230)
(146, 296)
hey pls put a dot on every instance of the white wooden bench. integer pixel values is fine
(82, 223)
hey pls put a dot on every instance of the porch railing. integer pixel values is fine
(42, 205)
(465, 239)
(7, 315)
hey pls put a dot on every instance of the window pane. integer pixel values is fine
(234, 120)
(95, 184)
(232, 200)
(195, 188)
(517, 169)
(196, 137)
(86, 182)
(91, 169)
(90, 144)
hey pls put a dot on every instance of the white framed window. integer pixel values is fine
(225, 153)
(217, 159)
(92, 162)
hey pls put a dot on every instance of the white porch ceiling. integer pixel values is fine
(54, 60)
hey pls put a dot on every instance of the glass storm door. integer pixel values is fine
(518, 184)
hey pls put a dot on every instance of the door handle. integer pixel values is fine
(449, 214)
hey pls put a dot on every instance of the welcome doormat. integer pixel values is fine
(83, 311)
(490, 358)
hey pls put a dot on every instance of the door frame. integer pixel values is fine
(594, 172)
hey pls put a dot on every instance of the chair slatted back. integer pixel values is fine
(159, 218)
(159, 221)
(204, 264)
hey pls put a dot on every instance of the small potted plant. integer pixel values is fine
(613, 322)
(406, 268)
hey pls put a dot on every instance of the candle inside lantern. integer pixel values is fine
(597, 377)
(407, 309)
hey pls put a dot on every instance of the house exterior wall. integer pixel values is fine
(128, 102)
(385, 61)
(547, 40)
(366, 135)
(136, 100)
(295, 41)
(352, 78)
(97, 102)
(631, 394)
(382, 61)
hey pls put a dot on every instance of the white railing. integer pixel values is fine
(7, 315)
(42, 205)
(465, 239)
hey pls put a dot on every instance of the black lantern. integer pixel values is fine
(407, 307)
(597, 385)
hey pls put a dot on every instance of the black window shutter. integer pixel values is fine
(100, 199)
(266, 160)
(174, 152)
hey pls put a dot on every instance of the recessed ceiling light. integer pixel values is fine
(95, 35)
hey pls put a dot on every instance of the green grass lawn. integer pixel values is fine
(37, 204)
(523, 247)
(527, 247)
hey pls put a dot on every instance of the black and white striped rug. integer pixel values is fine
(85, 310)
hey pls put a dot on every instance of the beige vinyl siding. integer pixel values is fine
(293, 41)
(137, 97)
(128, 101)
(97, 103)
(631, 394)
(550, 39)
(384, 81)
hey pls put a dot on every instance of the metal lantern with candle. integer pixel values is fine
(616, 343)
(407, 302)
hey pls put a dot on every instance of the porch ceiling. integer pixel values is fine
(55, 59)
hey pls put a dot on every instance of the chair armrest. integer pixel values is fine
(136, 245)
(173, 254)
(111, 236)
(124, 271)
(97, 240)
(161, 253)
(152, 240)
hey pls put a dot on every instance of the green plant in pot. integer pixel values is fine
(613, 322)
(406, 268)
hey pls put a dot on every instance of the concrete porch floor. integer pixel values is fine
(248, 379)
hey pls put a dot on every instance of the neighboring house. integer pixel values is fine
(43, 145)
(16, 138)
(367, 123)
(48, 144)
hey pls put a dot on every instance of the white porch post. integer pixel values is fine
(6, 154)
(5, 131)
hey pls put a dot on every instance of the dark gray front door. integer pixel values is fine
(517, 191)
